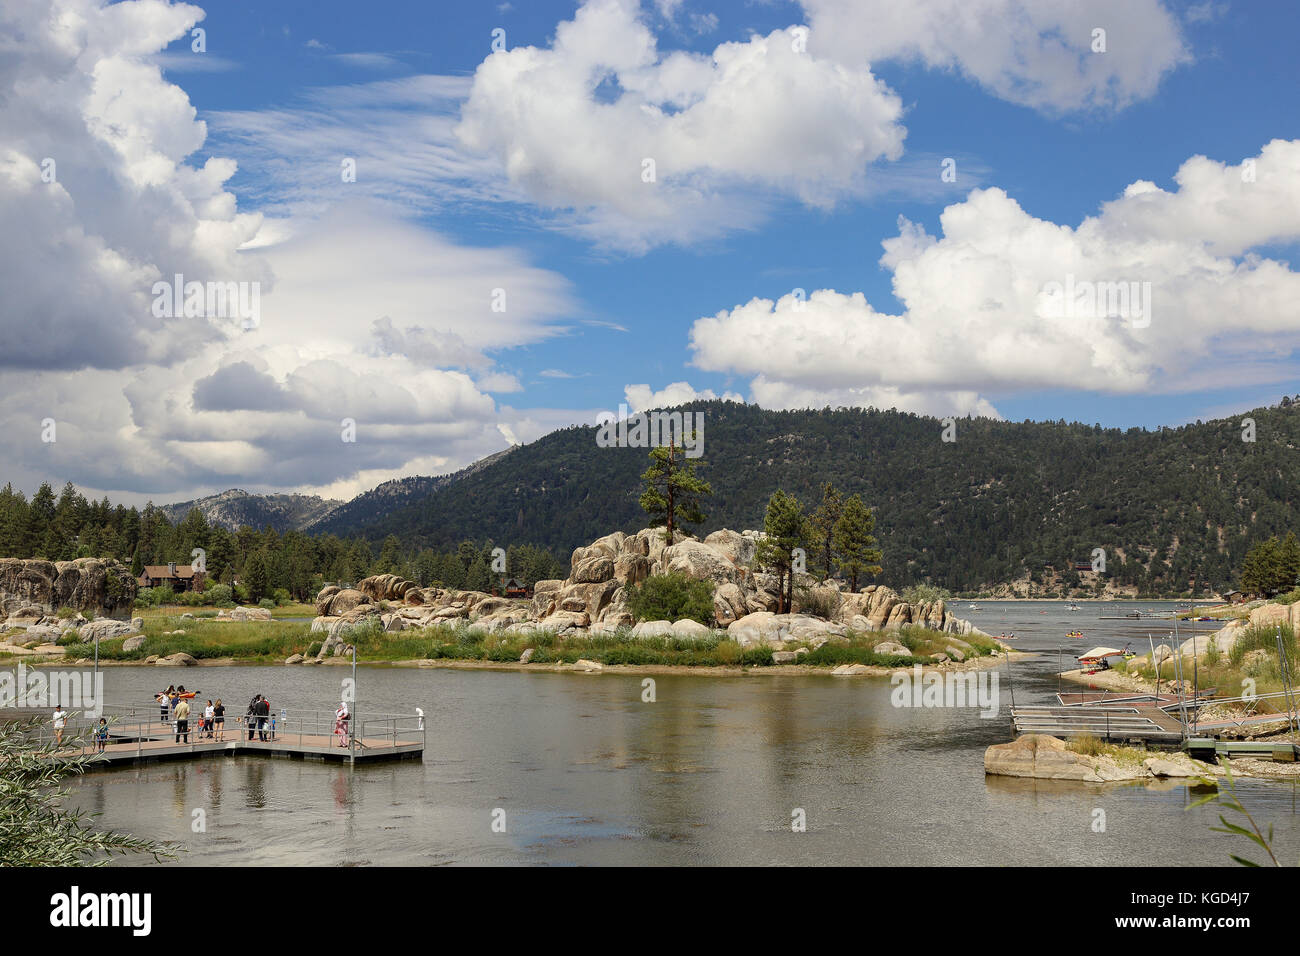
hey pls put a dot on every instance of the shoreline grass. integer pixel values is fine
(207, 638)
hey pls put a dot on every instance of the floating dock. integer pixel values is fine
(1122, 723)
(1209, 749)
(138, 737)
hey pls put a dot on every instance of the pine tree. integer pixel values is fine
(256, 578)
(390, 556)
(855, 543)
(822, 526)
(672, 490)
(785, 528)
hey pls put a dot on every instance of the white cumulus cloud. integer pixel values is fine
(1039, 53)
(574, 125)
(985, 306)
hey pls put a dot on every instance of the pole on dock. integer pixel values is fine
(352, 724)
(1152, 645)
(1196, 686)
(1012, 685)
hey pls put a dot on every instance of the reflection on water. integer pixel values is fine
(585, 772)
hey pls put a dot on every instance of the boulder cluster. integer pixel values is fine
(593, 599)
(1044, 757)
(36, 588)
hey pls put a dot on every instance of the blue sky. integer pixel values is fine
(782, 167)
(1238, 94)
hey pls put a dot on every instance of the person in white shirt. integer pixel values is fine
(341, 718)
(60, 721)
(209, 712)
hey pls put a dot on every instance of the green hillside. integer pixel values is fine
(1003, 499)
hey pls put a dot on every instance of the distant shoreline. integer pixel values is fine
(451, 663)
(953, 602)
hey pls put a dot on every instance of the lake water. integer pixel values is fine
(710, 773)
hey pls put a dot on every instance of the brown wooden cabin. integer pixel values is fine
(180, 577)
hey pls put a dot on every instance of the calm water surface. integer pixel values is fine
(708, 774)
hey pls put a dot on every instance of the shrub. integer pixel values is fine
(313, 649)
(65, 613)
(281, 596)
(925, 594)
(672, 597)
(219, 595)
(817, 603)
(1086, 744)
(266, 603)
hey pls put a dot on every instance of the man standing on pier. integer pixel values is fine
(183, 720)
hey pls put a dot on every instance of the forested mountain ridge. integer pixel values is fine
(1002, 500)
(235, 509)
(371, 506)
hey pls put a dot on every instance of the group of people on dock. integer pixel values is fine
(174, 708)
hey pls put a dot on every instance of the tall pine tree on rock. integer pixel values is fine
(672, 490)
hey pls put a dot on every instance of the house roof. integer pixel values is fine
(163, 571)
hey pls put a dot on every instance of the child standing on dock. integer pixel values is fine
(101, 735)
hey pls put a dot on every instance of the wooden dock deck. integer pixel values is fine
(137, 737)
(1124, 722)
(296, 746)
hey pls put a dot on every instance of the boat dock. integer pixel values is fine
(1096, 698)
(1124, 723)
(139, 736)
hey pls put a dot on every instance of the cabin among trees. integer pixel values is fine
(513, 588)
(182, 578)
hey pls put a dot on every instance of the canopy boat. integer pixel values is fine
(1098, 659)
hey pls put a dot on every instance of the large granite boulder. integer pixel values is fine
(653, 629)
(697, 560)
(587, 598)
(565, 622)
(1044, 757)
(101, 586)
(690, 630)
(179, 659)
(544, 597)
(105, 629)
(763, 628)
(250, 614)
(631, 569)
(1267, 615)
(740, 549)
(892, 648)
(594, 570)
(385, 587)
(339, 601)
